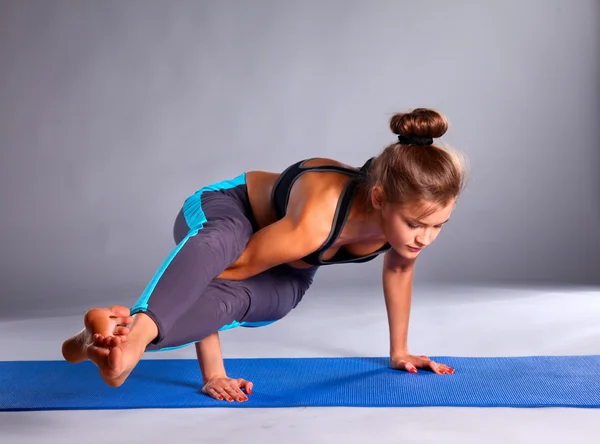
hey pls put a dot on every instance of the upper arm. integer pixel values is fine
(395, 263)
(284, 241)
(397, 277)
(303, 230)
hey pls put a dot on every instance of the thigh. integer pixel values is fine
(222, 304)
(219, 225)
(276, 292)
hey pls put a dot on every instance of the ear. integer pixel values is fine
(377, 197)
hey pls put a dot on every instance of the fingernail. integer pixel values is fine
(220, 398)
(413, 370)
(229, 399)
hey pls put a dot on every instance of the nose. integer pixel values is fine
(423, 240)
(420, 244)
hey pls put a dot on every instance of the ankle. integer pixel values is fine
(143, 330)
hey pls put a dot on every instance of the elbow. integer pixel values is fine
(238, 271)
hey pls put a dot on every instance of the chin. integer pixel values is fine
(406, 253)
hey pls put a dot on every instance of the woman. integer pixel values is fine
(248, 248)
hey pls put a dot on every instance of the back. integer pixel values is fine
(283, 185)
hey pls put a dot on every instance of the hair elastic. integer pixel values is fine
(414, 140)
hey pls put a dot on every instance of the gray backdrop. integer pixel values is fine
(112, 112)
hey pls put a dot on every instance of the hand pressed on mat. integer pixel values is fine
(224, 388)
(411, 363)
(216, 382)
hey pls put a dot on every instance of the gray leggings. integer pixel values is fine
(186, 300)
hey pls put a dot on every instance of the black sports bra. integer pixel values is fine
(281, 194)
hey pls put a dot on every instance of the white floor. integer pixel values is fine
(445, 321)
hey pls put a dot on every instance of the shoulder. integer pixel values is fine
(320, 180)
(314, 196)
(320, 187)
(325, 161)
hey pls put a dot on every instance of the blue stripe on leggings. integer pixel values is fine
(192, 208)
(195, 218)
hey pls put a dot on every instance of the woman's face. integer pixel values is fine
(408, 228)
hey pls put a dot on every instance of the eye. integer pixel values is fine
(413, 227)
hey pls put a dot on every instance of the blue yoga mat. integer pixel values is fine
(538, 381)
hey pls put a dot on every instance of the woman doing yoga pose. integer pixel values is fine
(248, 249)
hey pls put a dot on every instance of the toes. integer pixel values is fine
(106, 341)
(121, 331)
(119, 311)
(98, 340)
(123, 320)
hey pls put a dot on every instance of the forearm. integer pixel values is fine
(210, 357)
(397, 289)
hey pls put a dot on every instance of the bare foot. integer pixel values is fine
(109, 344)
(101, 324)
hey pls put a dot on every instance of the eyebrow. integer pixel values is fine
(423, 223)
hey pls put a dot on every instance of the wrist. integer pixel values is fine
(210, 358)
(398, 353)
(212, 376)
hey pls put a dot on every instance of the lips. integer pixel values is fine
(414, 248)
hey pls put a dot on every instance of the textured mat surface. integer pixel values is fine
(538, 381)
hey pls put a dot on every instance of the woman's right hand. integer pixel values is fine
(224, 388)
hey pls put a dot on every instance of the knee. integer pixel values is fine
(180, 228)
(229, 240)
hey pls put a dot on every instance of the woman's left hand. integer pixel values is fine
(410, 363)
